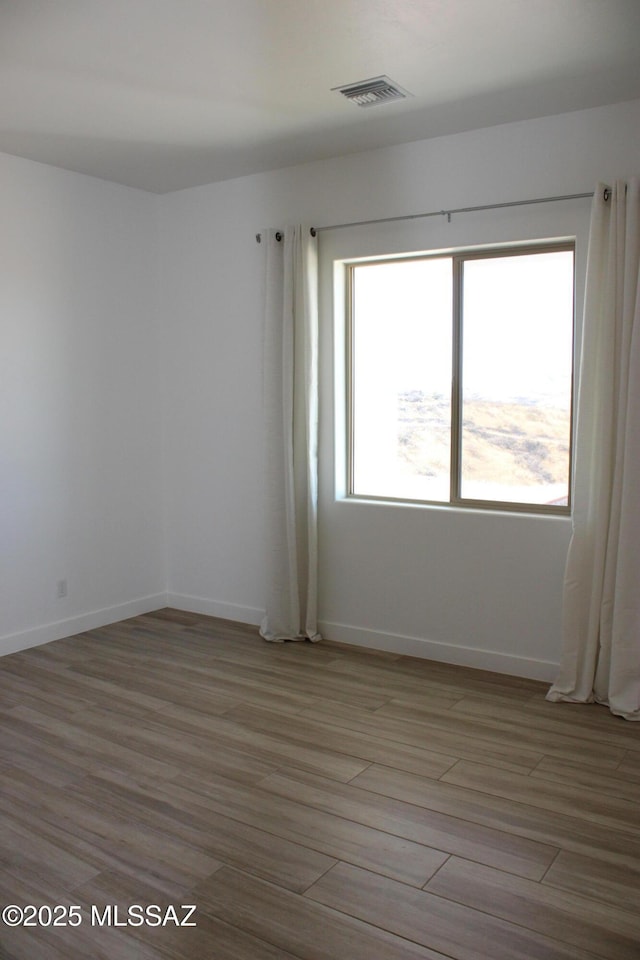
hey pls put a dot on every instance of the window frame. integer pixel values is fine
(458, 256)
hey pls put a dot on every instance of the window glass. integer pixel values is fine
(401, 379)
(516, 378)
(460, 377)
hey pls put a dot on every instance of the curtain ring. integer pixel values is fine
(607, 194)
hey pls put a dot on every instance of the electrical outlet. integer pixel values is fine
(62, 589)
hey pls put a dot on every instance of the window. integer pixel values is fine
(460, 377)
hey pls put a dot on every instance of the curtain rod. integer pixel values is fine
(448, 213)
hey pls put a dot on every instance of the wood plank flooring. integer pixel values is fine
(314, 802)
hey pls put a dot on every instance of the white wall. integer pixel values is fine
(80, 427)
(88, 316)
(483, 589)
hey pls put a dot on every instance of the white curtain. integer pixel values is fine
(291, 428)
(601, 629)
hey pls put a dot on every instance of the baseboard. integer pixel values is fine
(14, 642)
(443, 652)
(344, 633)
(214, 608)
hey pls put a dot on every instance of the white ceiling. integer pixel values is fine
(166, 94)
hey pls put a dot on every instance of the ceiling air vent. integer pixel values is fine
(369, 93)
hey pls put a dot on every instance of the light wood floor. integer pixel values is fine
(313, 801)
